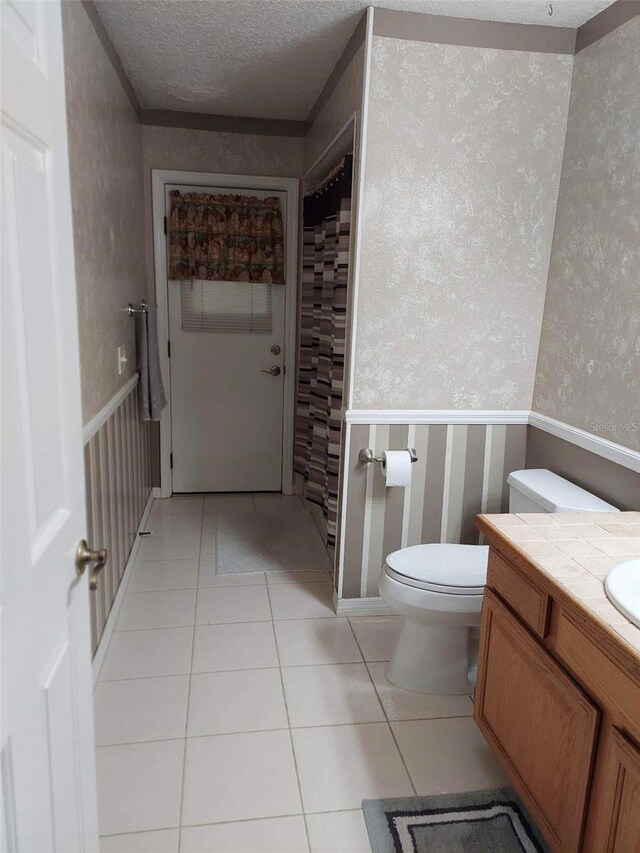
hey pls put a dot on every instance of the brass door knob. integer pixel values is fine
(274, 371)
(94, 560)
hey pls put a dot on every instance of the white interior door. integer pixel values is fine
(226, 406)
(46, 737)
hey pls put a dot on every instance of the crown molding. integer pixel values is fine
(614, 16)
(471, 32)
(222, 124)
(389, 23)
(112, 54)
(357, 39)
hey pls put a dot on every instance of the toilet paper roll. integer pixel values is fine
(396, 468)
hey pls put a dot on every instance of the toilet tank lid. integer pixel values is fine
(554, 493)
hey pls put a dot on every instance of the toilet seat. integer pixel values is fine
(440, 567)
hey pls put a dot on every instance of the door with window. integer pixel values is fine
(227, 355)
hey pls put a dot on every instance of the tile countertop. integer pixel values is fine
(576, 550)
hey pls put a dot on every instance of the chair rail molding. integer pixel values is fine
(436, 416)
(596, 444)
(92, 426)
(610, 450)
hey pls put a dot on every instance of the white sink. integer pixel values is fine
(623, 588)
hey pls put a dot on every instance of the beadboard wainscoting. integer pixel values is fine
(118, 483)
(462, 470)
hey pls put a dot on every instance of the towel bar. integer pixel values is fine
(137, 309)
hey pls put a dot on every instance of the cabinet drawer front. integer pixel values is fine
(530, 603)
(540, 723)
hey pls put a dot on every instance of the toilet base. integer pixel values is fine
(431, 659)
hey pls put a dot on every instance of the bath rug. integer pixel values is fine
(269, 541)
(490, 821)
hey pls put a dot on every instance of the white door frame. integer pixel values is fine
(161, 177)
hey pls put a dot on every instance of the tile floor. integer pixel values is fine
(239, 714)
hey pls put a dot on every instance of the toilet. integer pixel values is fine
(438, 590)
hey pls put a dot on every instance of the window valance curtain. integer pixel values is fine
(225, 238)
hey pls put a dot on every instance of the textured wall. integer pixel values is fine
(117, 475)
(345, 99)
(105, 157)
(589, 363)
(464, 152)
(211, 151)
(461, 471)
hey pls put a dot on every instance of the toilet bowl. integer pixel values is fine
(438, 588)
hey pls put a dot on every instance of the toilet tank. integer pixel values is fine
(539, 490)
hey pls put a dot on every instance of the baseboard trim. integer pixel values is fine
(587, 441)
(92, 427)
(436, 416)
(360, 606)
(103, 645)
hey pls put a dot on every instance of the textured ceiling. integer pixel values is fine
(268, 58)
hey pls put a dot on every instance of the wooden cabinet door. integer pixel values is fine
(539, 722)
(616, 822)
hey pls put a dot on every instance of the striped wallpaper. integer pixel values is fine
(118, 478)
(461, 471)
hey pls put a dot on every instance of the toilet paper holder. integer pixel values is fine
(366, 455)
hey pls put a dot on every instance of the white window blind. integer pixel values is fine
(225, 306)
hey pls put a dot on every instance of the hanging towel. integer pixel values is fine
(152, 398)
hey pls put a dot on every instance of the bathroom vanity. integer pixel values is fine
(558, 688)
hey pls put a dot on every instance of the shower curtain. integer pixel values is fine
(326, 224)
